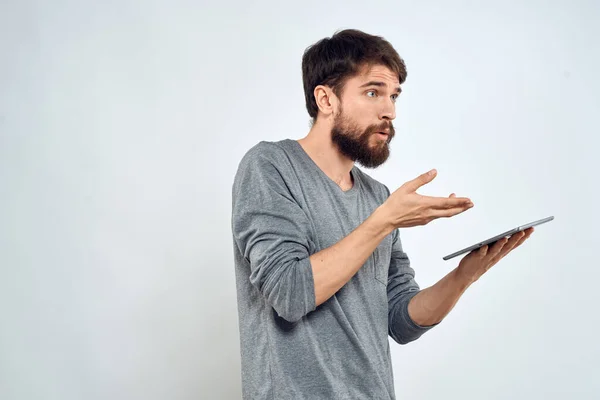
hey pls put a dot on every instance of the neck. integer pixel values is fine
(320, 148)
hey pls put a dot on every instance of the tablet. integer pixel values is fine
(506, 234)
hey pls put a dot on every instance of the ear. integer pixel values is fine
(326, 100)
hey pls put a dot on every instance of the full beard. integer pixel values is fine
(355, 144)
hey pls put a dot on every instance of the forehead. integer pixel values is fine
(378, 73)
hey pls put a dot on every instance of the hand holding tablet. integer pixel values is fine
(494, 239)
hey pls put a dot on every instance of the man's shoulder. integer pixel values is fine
(263, 161)
(266, 151)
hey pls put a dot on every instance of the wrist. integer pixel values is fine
(462, 278)
(382, 220)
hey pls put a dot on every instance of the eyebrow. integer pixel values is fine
(379, 84)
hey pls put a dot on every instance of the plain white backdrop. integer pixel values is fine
(121, 127)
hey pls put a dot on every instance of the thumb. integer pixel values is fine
(452, 195)
(421, 180)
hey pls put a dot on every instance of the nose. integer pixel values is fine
(389, 111)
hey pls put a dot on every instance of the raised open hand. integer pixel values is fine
(407, 208)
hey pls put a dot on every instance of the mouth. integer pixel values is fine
(382, 135)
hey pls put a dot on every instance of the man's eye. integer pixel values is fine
(394, 97)
(371, 91)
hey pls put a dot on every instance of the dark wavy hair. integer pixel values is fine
(332, 61)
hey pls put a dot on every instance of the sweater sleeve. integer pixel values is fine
(272, 232)
(401, 288)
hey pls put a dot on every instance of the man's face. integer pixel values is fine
(362, 128)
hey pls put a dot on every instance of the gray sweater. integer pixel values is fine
(285, 209)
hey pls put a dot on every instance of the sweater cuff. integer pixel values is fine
(410, 329)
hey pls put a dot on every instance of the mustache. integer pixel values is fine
(384, 127)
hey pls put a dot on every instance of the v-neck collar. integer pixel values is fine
(353, 172)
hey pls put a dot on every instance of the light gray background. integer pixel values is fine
(121, 126)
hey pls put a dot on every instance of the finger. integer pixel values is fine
(444, 203)
(497, 247)
(482, 252)
(514, 238)
(449, 212)
(520, 242)
(419, 181)
(452, 195)
(514, 241)
(526, 236)
(521, 237)
(495, 254)
(461, 203)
